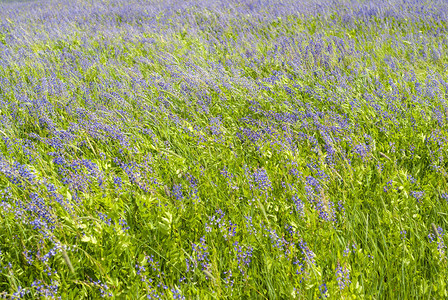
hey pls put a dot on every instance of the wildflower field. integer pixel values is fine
(225, 149)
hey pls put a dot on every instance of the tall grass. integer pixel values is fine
(223, 149)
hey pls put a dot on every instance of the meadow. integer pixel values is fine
(225, 149)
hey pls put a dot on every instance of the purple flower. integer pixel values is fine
(177, 191)
(343, 277)
(260, 177)
(418, 195)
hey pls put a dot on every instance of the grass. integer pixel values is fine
(207, 150)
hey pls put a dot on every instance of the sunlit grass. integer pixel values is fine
(270, 150)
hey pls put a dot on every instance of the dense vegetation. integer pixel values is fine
(223, 149)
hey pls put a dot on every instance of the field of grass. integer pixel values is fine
(225, 149)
